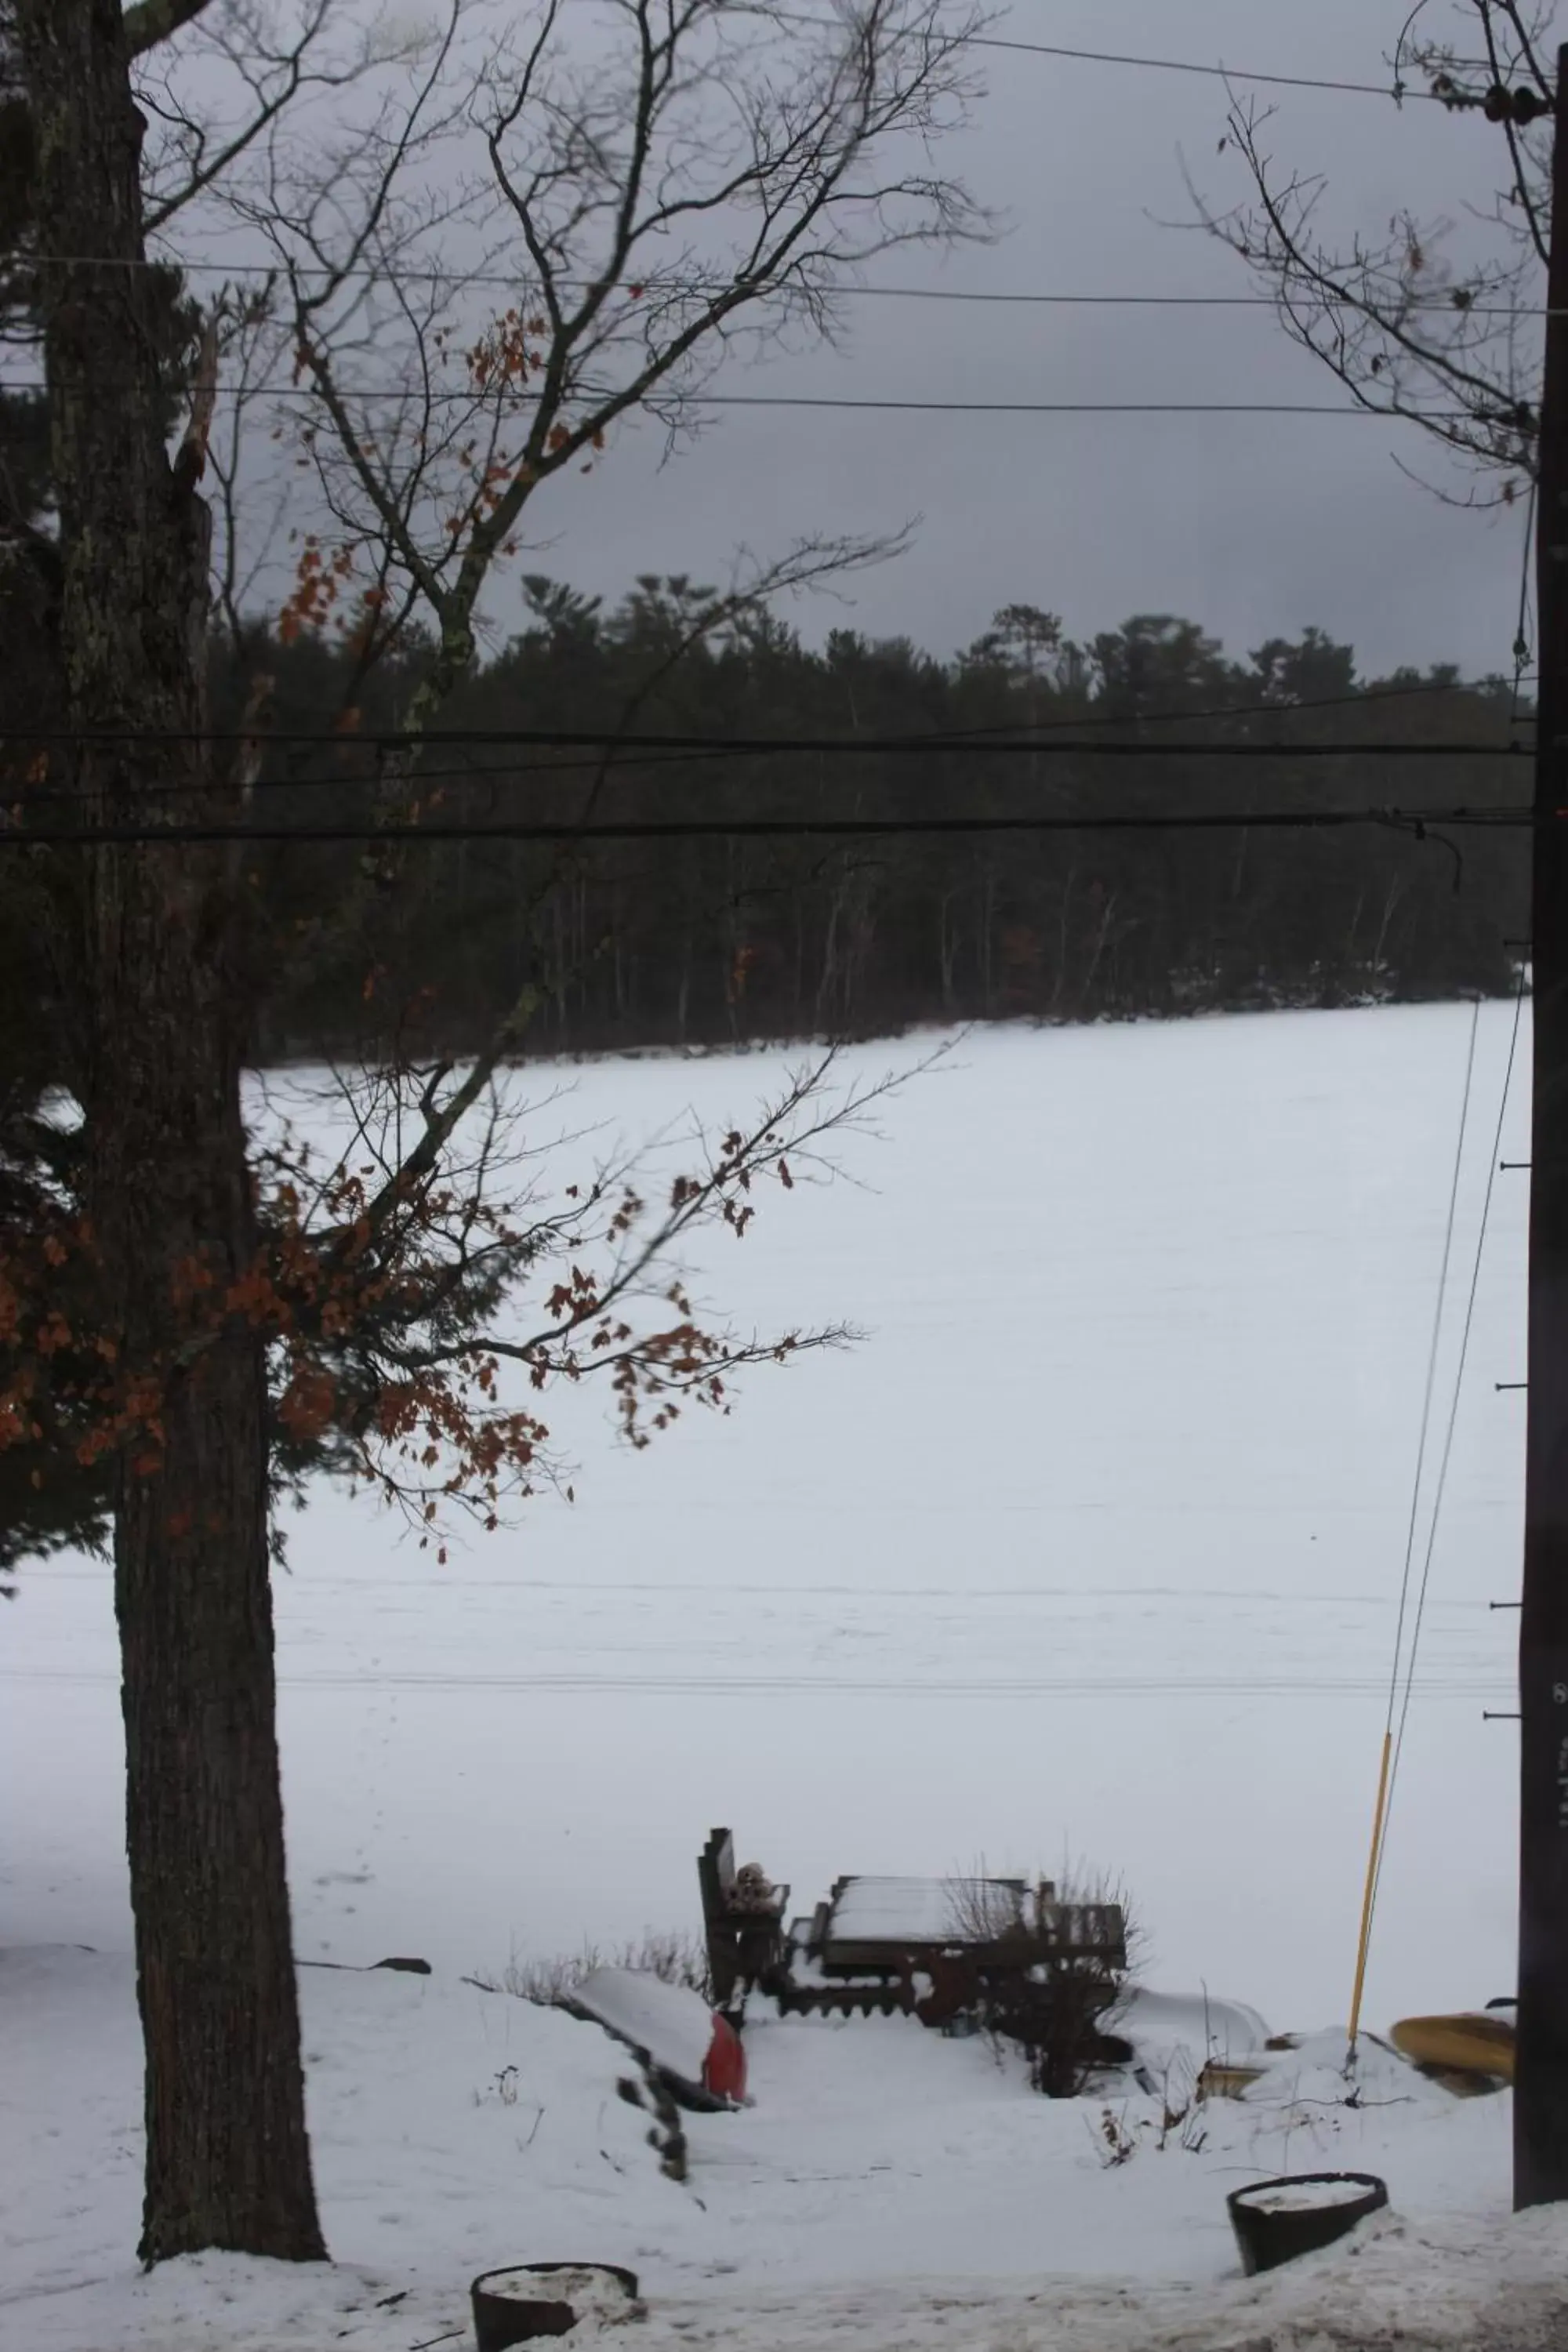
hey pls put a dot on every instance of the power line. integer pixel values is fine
(709, 755)
(664, 750)
(879, 405)
(654, 1586)
(760, 745)
(1370, 695)
(958, 738)
(1453, 1420)
(541, 772)
(1431, 1385)
(1418, 822)
(511, 775)
(705, 1685)
(1022, 298)
(888, 406)
(1396, 90)
(660, 750)
(875, 404)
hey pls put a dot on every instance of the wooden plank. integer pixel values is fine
(716, 1874)
(723, 1960)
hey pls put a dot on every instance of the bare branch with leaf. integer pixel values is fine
(430, 1271)
(1452, 345)
(703, 186)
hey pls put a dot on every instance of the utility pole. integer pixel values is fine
(1540, 2097)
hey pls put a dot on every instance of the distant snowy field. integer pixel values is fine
(1093, 1548)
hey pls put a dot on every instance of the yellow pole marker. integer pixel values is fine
(1371, 1890)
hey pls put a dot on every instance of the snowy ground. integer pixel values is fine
(888, 2190)
(1093, 1548)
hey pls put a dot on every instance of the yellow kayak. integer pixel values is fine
(1477, 2043)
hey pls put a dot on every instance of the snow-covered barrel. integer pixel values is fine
(1276, 2220)
(531, 2300)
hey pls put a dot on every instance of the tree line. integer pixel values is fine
(714, 940)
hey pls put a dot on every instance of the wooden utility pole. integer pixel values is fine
(1541, 2100)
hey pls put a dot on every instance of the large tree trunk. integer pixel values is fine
(159, 1022)
(227, 2159)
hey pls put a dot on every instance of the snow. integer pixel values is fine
(1091, 1551)
(1317, 2072)
(1308, 2195)
(889, 2188)
(592, 2293)
(674, 2026)
(915, 1910)
(1118, 1482)
(1166, 2028)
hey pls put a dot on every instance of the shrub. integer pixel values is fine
(673, 1957)
(1060, 2010)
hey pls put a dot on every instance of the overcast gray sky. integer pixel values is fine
(1255, 525)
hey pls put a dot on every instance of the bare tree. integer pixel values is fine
(724, 169)
(1454, 345)
(699, 190)
(704, 186)
(1070, 1954)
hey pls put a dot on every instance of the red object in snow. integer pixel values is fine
(672, 2030)
(724, 2068)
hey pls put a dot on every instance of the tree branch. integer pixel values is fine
(1404, 337)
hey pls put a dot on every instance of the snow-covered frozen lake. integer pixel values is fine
(1093, 1548)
